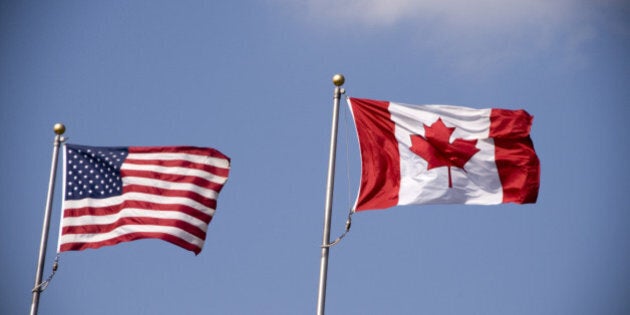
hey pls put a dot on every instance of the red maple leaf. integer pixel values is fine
(436, 149)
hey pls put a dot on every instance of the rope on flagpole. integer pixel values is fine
(348, 225)
(42, 286)
(350, 212)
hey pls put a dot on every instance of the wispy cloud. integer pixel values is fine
(473, 34)
(451, 12)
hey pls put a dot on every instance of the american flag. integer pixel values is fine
(120, 194)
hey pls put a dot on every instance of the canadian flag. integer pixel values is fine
(436, 154)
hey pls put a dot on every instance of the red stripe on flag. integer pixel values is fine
(208, 202)
(380, 174)
(219, 171)
(509, 124)
(133, 204)
(175, 178)
(106, 228)
(517, 162)
(180, 149)
(131, 237)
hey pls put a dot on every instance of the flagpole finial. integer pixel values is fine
(59, 128)
(338, 79)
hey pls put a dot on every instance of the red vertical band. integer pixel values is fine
(380, 159)
(517, 162)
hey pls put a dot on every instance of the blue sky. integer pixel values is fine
(253, 79)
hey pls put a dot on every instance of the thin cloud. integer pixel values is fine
(473, 34)
(453, 13)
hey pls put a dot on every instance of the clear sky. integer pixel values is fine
(253, 79)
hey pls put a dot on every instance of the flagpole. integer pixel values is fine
(59, 130)
(338, 80)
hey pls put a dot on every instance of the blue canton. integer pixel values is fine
(93, 172)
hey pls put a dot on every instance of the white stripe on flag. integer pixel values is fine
(112, 201)
(208, 193)
(131, 213)
(183, 171)
(128, 229)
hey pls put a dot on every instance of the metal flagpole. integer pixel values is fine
(59, 130)
(338, 80)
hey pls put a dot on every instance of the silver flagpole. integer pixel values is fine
(59, 130)
(338, 80)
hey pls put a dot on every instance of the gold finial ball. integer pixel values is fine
(59, 128)
(338, 79)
